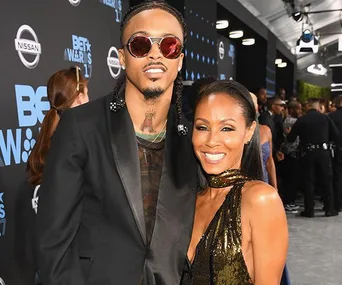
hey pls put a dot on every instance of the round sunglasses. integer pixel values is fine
(140, 46)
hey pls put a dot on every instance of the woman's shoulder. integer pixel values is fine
(265, 130)
(265, 133)
(259, 194)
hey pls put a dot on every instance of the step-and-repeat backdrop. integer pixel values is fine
(38, 38)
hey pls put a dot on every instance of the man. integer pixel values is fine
(117, 199)
(290, 166)
(282, 94)
(336, 117)
(322, 104)
(316, 131)
(262, 99)
(273, 119)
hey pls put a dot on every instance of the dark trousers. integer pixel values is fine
(337, 166)
(317, 165)
(290, 179)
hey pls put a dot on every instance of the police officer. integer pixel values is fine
(316, 131)
(336, 117)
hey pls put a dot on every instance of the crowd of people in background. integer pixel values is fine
(306, 140)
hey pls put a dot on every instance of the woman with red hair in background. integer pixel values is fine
(66, 89)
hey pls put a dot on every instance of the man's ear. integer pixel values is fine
(180, 61)
(122, 58)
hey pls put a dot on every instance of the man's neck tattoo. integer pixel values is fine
(147, 125)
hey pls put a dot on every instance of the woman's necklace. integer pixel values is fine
(227, 178)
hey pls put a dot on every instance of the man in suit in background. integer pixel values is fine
(119, 186)
(273, 119)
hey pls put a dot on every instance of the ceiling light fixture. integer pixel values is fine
(236, 34)
(278, 61)
(335, 65)
(222, 24)
(248, 42)
(282, 64)
(297, 16)
(317, 69)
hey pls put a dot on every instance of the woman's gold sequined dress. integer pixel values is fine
(219, 259)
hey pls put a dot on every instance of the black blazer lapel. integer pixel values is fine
(125, 153)
(175, 208)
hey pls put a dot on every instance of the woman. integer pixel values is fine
(240, 232)
(268, 166)
(66, 89)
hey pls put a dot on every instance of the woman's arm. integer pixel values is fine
(270, 166)
(269, 233)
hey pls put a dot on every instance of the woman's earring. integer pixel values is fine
(123, 67)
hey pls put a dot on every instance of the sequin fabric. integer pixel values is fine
(219, 259)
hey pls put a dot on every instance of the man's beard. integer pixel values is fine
(152, 93)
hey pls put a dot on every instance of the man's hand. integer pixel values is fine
(279, 156)
(287, 130)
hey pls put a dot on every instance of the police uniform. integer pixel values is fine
(316, 131)
(337, 161)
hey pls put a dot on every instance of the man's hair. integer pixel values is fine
(178, 83)
(338, 101)
(293, 105)
(272, 101)
(150, 5)
(313, 103)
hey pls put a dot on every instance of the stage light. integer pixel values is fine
(236, 34)
(297, 16)
(307, 42)
(248, 42)
(282, 64)
(222, 24)
(278, 61)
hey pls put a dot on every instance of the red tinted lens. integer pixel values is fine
(171, 47)
(140, 46)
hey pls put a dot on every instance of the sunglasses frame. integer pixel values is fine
(153, 40)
